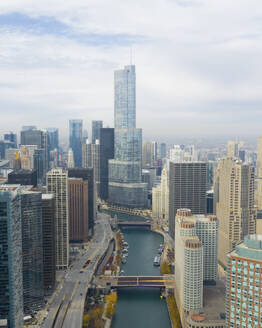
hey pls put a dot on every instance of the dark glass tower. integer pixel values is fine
(11, 275)
(106, 153)
(125, 174)
(96, 126)
(53, 141)
(75, 140)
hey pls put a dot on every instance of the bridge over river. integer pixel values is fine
(138, 281)
(134, 224)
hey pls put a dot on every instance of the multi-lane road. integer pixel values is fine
(67, 305)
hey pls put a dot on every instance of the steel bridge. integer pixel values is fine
(139, 281)
(134, 224)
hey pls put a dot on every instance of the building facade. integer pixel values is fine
(107, 139)
(244, 291)
(96, 126)
(233, 204)
(87, 174)
(187, 189)
(23, 177)
(32, 248)
(75, 140)
(11, 266)
(78, 210)
(57, 184)
(49, 240)
(125, 175)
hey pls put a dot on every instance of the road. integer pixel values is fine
(67, 306)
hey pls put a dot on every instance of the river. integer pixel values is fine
(141, 308)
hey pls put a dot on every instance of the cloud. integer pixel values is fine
(198, 63)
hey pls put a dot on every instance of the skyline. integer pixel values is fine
(198, 64)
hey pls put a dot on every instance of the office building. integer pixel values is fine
(125, 175)
(78, 210)
(28, 127)
(233, 204)
(11, 137)
(232, 149)
(53, 138)
(75, 140)
(244, 292)
(91, 159)
(38, 138)
(87, 174)
(70, 159)
(187, 189)
(96, 126)
(10, 155)
(32, 248)
(39, 160)
(242, 155)
(23, 177)
(176, 154)
(57, 184)
(49, 240)
(162, 150)
(11, 266)
(86, 154)
(106, 153)
(160, 198)
(148, 154)
(25, 158)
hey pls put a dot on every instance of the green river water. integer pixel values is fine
(136, 307)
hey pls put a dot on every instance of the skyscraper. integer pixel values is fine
(233, 204)
(57, 184)
(11, 274)
(11, 137)
(259, 173)
(32, 248)
(232, 149)
(53, 138)
(87, 174)
(162, 150)
(148, 154)
(70, 159)
(96, 126)
(75, 140)
(187, 189)
(106, 153)
(23, 177)
(38, 138)
(244, 292)
(49, 240)
(78, 210)
(125, 176)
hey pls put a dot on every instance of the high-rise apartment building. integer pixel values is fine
(188, 265)
(11, 266)
(187, 189)
(244, 291)
(75, 140)
(233, 204)
(259, 173)
(32, 248)
(57, 184)
(49, 240)
(125, 175)
(96, 127)
(87, 174)
(78, 210)
(106, 153)
(232, 149)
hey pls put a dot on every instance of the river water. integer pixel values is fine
(141, 307)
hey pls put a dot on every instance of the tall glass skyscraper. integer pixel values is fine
(75, 140)
(125, 174)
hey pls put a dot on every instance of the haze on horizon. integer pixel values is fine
(198, 64)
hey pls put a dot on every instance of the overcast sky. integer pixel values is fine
(198, 64)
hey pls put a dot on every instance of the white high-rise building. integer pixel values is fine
(176, 154)
(70, 159)
(160, 197)
(188, 264)
(57, 184)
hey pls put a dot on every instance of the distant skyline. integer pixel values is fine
(198, 64)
